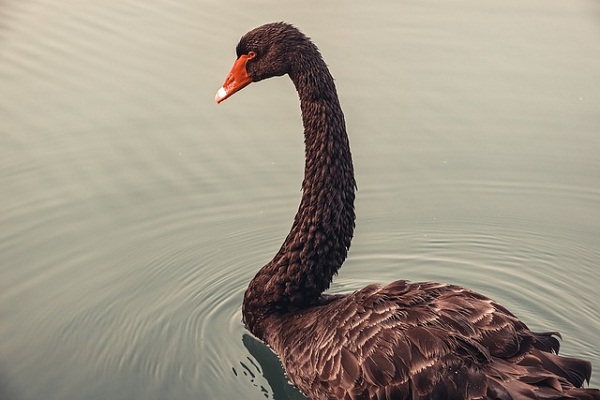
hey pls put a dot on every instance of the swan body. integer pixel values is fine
(404, 340)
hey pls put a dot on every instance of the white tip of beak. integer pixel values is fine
(221, 93)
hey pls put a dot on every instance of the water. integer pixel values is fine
(134, 210)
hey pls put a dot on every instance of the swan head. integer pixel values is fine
(262, 53)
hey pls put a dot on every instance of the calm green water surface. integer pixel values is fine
(134, 210)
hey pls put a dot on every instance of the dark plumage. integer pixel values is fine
(401, 341)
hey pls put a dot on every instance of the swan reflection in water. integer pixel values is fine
(266, 364)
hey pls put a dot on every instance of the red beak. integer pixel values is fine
(237, 79)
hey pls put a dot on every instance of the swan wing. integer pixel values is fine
(420, 340)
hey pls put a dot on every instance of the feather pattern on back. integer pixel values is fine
(420, 341)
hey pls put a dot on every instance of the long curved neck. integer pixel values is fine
(320, 237)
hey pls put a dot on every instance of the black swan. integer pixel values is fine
(405, 340)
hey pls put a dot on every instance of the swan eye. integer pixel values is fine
(251, 55)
